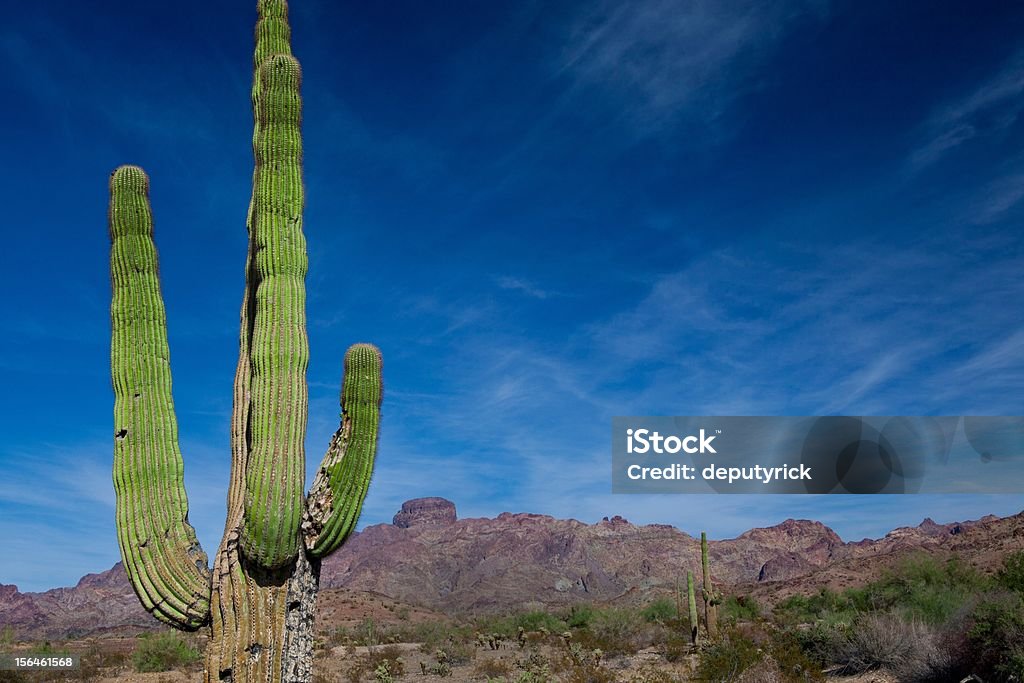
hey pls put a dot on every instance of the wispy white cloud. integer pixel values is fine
(665, 61)
(996, 199)
(986, 111)
(523, 286)
(760, 328)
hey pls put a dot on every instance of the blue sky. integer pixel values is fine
(545, 214)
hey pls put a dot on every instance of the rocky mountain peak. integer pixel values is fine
(431, 511)
(794, 531)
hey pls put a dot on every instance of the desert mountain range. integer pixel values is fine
(429, 558)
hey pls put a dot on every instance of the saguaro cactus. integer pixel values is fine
(711, 599)
(691, 601)
(259, 599)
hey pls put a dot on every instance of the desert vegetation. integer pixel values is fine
(925, 620)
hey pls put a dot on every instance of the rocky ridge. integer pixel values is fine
(428, 557)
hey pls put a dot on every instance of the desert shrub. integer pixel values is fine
(537, 620)
(95, 660)
(492, 668)
(651, 674)
(1011, 575)
(822, 642)
(48, 648)
(382, 674)
(579, 616)
(534, 669)
(443, 667)
(807, 609)
(164, 651)
(431, 634)
(676, 646)
(369, 632)
(907, 647)
(389, 656)
(922, 588)
(383, 663)
(792, 663)
(576, 664)
(659, 611)
(615, 632)
(996, 637)
(739, 608)
(355, 671)
(728, 657)
(589, 674)
(457, 652)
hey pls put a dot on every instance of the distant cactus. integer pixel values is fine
(259, 599)
(711, 599)
(691, 600)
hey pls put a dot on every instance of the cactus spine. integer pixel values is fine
(259, 598)
(711, 599)
(691, 600)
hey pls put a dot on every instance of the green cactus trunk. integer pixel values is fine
(259, 599)
(691, 600)
(709, 595)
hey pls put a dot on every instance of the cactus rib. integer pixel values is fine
(161, 554)
(343, 479)
(279, 350)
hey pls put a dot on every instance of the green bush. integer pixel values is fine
(996, 637)
(822, 643)
(739, 608)
(801, 609)
(728, 657)
(368, 632)
(1011, 575)
(922, 588)
(431, 634)
(508, 627)
(163, 651)
(579, 616)
(659, 611)
(537, 620)
(793, 664)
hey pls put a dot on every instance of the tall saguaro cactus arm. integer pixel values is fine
(278, 346)
(344, 476)
(165, 564)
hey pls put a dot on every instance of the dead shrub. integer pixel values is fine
(908, 648)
